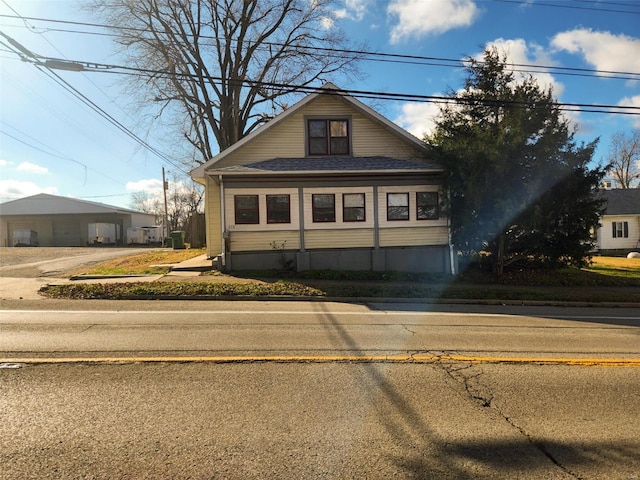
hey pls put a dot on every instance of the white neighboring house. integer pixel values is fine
(53, 221)
(619, 231)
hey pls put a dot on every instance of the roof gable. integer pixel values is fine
(47, 204)
(350, 104)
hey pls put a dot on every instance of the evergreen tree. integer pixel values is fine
(518, 187)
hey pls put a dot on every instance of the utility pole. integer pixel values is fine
(165, 187)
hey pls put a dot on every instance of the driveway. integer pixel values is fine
(23, 270)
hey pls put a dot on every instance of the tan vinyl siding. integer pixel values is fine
(287, 139)
(212, 217)
(353, 238)
(412, 237)
(262, 241)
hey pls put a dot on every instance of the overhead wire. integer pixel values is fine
(369, 94)
(51, 151)
(574, 7)
(373, 56)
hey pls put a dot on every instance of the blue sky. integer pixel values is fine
(51, 142)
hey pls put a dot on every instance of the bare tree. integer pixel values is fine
(221, 67)
(624, 158)
(183, 200)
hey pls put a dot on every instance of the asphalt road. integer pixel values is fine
(319, 329)
(450, 420)
(306, 390)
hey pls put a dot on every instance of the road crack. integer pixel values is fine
(469, 376)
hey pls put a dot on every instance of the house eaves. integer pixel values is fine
(329, 166)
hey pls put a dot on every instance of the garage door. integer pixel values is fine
(13, 226)
(66, 234)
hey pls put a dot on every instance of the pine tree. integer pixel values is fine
(519, 187)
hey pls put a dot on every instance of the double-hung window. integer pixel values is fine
(328, 137)
(397, 206)
(427, 205)
(353, 207)
(620, 229)
(278, 210)
(246, 209)
(324, 207)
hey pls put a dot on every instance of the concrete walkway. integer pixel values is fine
(15, 288)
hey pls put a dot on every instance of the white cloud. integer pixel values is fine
(151, 185)
(418, 118)
(416, 18)
(32, 168)
(632, 102)
(3, 163)
(11, 189)
(603, 50)
(353, 10)
(518, 51)
(327, 22)
(357, 8)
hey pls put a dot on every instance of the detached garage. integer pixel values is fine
(52, 221)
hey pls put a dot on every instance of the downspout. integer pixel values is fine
(223, 222)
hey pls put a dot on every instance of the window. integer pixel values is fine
(246, 209)
(427, 205)
(397, 206)
(278, 209)
(353, 207)
(328, 137)
(620, 229)
(324, 207)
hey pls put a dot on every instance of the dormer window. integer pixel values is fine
(328, 137)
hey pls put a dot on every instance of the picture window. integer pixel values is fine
(246, 209)
(278, 209)
(328, 137)
(427, 205)
(324, 207)
(397, 206)
(353, 207)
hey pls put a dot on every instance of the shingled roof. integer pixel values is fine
(331, 164)
(622, 201)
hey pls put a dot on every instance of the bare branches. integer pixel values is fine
(624, 159)
(217, 66)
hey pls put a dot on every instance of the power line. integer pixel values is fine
(41, 63)
(52, 152)
(370, 94)
(574, 7)
(44, 63)
(375, 56)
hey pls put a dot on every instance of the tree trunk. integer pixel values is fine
(499, 261)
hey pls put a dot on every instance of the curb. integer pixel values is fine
(451, 301)
(17, 362)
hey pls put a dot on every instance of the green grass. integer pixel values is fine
(147, 263)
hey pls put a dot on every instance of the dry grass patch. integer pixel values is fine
(615, 266)
(153, 262)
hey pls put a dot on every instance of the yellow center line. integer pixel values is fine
(400, 358)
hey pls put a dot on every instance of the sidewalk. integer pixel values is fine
(13, 288)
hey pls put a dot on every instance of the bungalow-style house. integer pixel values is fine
(327, 184)
(619, 231)
(52, 221)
